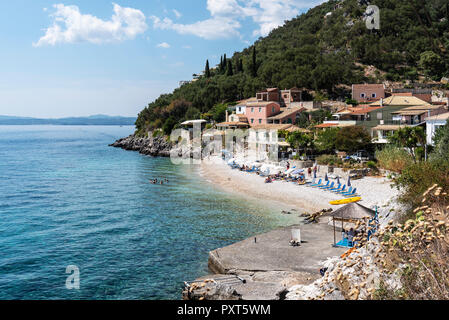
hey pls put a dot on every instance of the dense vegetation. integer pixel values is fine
(318, 52)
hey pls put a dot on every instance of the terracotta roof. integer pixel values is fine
(286, 112)
(272, 89)
(260, 103)
(401, 101)
(441, 116)
(230, 124)
(244, 101)
(271, 126)
(326, 125)
(389, 127)
(369, 85)
(295, 128)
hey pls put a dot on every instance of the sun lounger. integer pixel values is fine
(316, 184)
(350, 194)
(342, 192)
(342, 189)
(329, 187)
(336, 188)
(323, 185)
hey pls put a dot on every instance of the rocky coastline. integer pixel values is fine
(157, 146)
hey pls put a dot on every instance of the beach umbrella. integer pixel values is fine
(326, 178)
(349, 181)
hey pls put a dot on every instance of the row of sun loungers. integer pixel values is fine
(339, 189)
(264, 171)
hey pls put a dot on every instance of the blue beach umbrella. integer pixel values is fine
(349, 181)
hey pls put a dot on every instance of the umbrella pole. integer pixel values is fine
(335, 239)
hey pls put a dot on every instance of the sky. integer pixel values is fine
(83, 57)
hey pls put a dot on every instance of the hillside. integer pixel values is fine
(326, 47)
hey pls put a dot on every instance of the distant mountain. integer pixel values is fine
(95, 120)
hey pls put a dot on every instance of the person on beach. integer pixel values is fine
(288, 165)
(351, 234)
(309, 171)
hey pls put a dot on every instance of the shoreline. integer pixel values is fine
(267, 268)
(375, 191)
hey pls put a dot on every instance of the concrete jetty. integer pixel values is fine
(265, 265)
(272, 251)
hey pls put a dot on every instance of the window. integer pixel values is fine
(273, 109)
(252, 120)
(362, 95)
(260, 121)
(240, 109)
(373, 95)
(379, 116)
(289, 120)
(252, 109)
(260, 110)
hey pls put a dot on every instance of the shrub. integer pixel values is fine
(393, 158)
(416, 178)
(418, 249)
(329, 159)
(373, 166)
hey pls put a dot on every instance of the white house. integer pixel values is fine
(433, 123)
(240, 109)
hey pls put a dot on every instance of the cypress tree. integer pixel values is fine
(221, 64)
(207, 71)
(229, 71)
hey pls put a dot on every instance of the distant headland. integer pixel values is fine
(95, 120)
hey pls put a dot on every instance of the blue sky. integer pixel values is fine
(80, 57)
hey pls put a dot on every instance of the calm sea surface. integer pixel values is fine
(66, 198)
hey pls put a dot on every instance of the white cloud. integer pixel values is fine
(71, 26)
(226, 16)
(214, 28)
(177, 13)
(164, 45)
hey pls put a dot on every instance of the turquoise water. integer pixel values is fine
(66, 198)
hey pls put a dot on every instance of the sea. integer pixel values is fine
(81, 220)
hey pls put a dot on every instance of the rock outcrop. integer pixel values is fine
(153, 146)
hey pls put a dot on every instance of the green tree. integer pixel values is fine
(300, 141)
(326, 139)
(432, 64)
(441, 141)
(410, 138)
(168, 126)
(254, 62)
(351, 139)
(229, 71)
(207, 70)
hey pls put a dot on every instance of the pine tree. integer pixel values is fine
(207, 71)
(229, 71)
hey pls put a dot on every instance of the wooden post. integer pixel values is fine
(335, 240)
